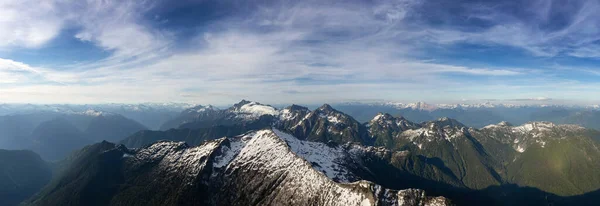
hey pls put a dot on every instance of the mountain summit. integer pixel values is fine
(266, 167)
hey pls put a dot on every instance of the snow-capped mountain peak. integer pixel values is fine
(293, 112)
(253, 110)
(378, 117)
(386, 120)
(264, 167)
(441, 130)
(384, 117)
(322, 157)
(259, 109)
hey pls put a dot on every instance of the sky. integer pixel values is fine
(219, 52)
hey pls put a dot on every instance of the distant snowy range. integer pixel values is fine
(480, 114)
(155, 115)
(250, 153)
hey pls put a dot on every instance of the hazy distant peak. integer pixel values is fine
(96, 113)
(201, 108)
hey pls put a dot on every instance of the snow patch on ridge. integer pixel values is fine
(259, 109)
(377, 117)
(95, 113)
(176, 158)
(254, 110)
(431, 134)
(286, 114)
(201, 109)
(538, 133)
(520, 149)
(229, 152)
(298, 166)
(323, 158)
(528, 127)
(333, 119)
(302, 121)
(330, 118)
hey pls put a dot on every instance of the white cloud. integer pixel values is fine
(577, 38)
(243, 63)
(21, 73)
(28, 23)
(327, 52)
(9, 77)
(117, 26)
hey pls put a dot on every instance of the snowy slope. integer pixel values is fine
(265, 167)
(247, 110)
(329, 160)
(291, 164)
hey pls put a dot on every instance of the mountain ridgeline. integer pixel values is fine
(264, 167)
(444, 156)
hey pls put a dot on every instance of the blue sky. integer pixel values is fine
(218, 52)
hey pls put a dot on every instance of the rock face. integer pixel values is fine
(324, 124)
(265, 167)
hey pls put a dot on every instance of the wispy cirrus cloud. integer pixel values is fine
(307, 51)
(28, 23)
(21, 73)
(117, 27)
(541, 27)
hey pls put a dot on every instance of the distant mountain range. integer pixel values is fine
(431, 107)
(54, 135)
(164, 116)
(479, 115)
(151, 115)
(252, 153)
